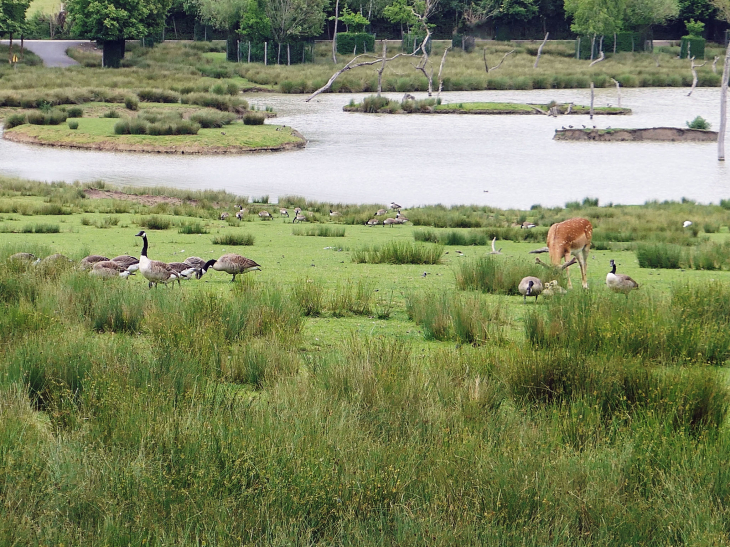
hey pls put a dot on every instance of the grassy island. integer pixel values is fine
(384, 105)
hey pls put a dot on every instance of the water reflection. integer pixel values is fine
(505, 161)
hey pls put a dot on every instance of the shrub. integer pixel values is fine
(131, 103)
(319, 230)
(699, 123)
(72, 124)
(399, 252)
(659, 255)
(234, 239)
(219, 102)
(75, 112)
(254, 118)
(158, 96)
(122, 127)
(111, 114)
(15, 120)
(359, 42)
(192, 228)
(309, 295)
(155, 222)
(492, 275)
(41, 229)
(212, 119)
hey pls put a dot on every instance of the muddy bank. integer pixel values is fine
(661, 134)
(144, 199)
(119, 146)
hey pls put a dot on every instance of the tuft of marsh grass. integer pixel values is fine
(497, 275)
(41, 229)
(309, 295)
(659, 255)
(399, 252)
(155, 222)
(233, 239)
(192, 228)
(319, 230)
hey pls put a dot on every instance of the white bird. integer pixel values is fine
(530, 286)
(620, 282)
(153, 270)
(686, 224)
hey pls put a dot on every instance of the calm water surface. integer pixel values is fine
(504, 161)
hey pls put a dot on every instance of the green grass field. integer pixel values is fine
(322, 401)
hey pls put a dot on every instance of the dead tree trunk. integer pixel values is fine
(723, 107)
(10, 51)
(714, 64)
(382, 69)
(334, 36)
(539, 50)
(693, 68)
(484, 54)
(618, 91)
(500, 62)
(601, 57)
(441, 69)
(592, 88)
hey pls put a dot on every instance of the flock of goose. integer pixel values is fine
(155, 271)
(301, 217)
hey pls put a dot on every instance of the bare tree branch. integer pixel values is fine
(618, 91)
(502, 61)
(693, 68)
(714, 64)
(441, 68)
(539, 50)
(601, 57)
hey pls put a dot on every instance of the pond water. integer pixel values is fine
(503, 161)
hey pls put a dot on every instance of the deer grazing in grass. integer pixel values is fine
(570, 237)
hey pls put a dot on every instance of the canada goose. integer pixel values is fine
(184, 270)
(241, 211)
(530, 286)
(153, 270)
(22, 256)
(195, 261)
(56, 258)
(88, 262)
(389, 222)
(394, 205)
(552, 288)
(129, 262)
(401, 218)
(373, 222)
(283, 212)
(297, 210)
(527, 225)
(620, 282)
(234, 264)
(224, 216)
(335, 213)
(380, 212)
(299, 218)
(686, 224)
(265, 215)
(108, 269)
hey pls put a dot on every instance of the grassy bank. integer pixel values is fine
(384, 105)
(327, 401)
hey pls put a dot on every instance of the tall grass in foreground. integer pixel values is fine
(498, 275)
(399, 252)
(690, 326)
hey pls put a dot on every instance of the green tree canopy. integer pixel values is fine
(295, 19)
(603, 17)
(109, 20)
(12, 16)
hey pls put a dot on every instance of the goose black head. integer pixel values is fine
(207, 265)
(141, 234)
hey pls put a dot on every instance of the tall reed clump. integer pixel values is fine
(448, 316)
(499, 276)
(319, 230)
(155, 222)
(399, 252)
(352, 298)
(192, 228)
(688, 327)
(309, 295)
(659, 255)
(234, 239)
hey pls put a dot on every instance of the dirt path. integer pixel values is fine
(52, 52)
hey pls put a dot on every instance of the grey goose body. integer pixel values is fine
(234, 264)
(153, 270)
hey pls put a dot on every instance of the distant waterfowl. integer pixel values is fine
(389, 222)
(53, 259)
(620, 282)
(283, 212)
(241, 211)
(380, 212)
(297, 210)
(184, 270)
(195, 261)
(108, 269)
(335, 213)
(129, 262)
(530, 286)
(88, 262)
(401, 218)
(265, 215)
(527, 225)
(686, 224)
(234, 264)
(373, 222)
(494, 250)
(299, 218)
(394, 205)
(224, 216)
(153, 270)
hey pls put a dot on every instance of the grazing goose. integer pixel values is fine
(224, 216)
(401, 219)
(241, 211)
(299, 218)
(22, 256)
(620, 282)
(373, 222)
(389, 222)
(527, 225)
(184, 270)
(530, 286)
(234, 264)
(88, 262)
(195, 261)
(380, 212)
(153, 270)
(265, 215)
(129, 262)
(335, 213)
(108, 269)
(297, 210)
(283, 212)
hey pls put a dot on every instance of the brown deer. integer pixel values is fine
(572, 236)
